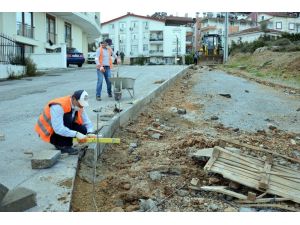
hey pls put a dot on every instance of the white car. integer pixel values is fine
(91, 57)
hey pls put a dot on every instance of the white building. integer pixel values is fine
(217, 25)
(251, 34)
(281, 21)
(43, 33)
(137, 35)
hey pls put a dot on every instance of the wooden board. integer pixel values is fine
(255, 173)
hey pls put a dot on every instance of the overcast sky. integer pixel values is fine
(114, 8)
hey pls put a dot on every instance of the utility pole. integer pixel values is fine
(225, 51)
(176, 47)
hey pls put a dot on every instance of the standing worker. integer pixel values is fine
(122, 57)
(63, 119)
(104, 64)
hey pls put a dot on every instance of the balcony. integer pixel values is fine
(159, 39)
(156, 52)
(25, 30)
(90, 25)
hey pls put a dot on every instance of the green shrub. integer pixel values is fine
(30, 67)
(140, 60)
(189, 59)
(282, 42)
(291, 37)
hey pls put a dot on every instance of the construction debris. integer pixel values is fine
(255, 173)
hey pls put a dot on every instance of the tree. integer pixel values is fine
(160, 15)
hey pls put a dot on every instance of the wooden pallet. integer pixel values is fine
(256, 173)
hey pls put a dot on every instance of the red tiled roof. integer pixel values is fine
(255, 29)
(131, 14)
(253, 15)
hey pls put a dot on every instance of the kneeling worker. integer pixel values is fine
(63, 119)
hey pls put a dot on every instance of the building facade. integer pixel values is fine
(145, 36)
(280, 21)
(42, 33)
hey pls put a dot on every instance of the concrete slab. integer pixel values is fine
(45, 159)
(18, 122)
(18, 200)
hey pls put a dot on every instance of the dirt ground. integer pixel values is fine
(151, 169)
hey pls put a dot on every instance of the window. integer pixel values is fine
(291, 26)
(145, 36)
(279, 25)
(145, 25)
(145, 47)
(134, 49)
(112, 26)
(68, 35)
(134, 37)
(25, 24)
(122, 26)
(262, 17)
(134, 24)
(50, 29)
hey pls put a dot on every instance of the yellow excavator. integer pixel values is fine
(212, 51)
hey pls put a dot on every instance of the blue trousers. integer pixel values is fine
(106, 75)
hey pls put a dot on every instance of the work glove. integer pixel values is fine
(81, 137)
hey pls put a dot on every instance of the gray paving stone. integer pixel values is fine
(18, 200)
(3, 191)
(45, 159)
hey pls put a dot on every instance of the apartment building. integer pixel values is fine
(159, 40)
(45, 35)
(280, 21)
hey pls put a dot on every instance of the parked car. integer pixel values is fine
(74, 57)
(91, 57)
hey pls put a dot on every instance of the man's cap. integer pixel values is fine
(82, 97)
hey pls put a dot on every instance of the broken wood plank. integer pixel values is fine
(220, 189)
(213, 158)
(155, 130)
(253, 178)
(251, 196)
(262, 200)
(238, 172)
(264, 181)
(258, 149)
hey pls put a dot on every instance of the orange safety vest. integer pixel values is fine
(101, 57)
(44, 127)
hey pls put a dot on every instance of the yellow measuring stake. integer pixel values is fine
(101, 140)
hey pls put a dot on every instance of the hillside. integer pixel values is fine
(281, 68)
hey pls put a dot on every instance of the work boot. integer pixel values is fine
(67, 149)
(98, 98)
(110, 95)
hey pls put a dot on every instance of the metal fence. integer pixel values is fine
(10, 51)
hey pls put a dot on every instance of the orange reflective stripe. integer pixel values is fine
(44, 127)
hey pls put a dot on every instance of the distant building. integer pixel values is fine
(281, 21)
(160, 40)
(251, 34)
